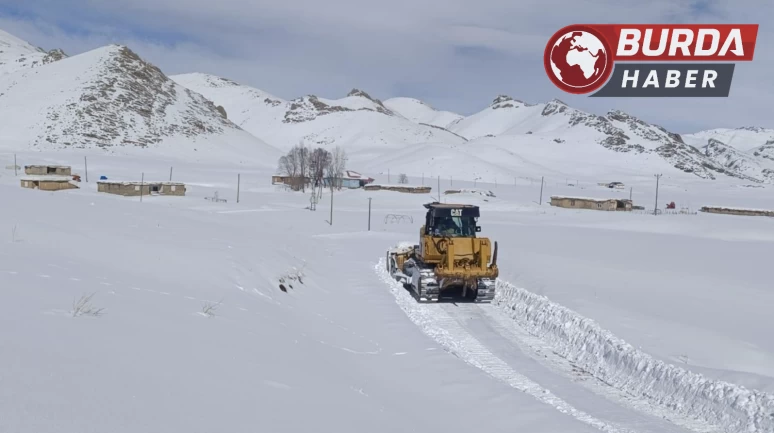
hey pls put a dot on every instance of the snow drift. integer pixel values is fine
(619, 364)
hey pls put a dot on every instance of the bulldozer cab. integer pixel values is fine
(451, 220)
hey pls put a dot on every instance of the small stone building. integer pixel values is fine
(43, 170)
(141, 188)
(399, 188)
(737, 211)
(610, 204)
(350, 180)
(48, 183)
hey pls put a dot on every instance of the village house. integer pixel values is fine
(399, 188)
(610, 204)
(141, 188)
(350, 179)
(292, 181)
(48, 183)
(43, 170)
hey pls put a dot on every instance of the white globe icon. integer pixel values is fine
(583, 51)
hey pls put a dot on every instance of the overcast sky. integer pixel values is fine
(455, 55)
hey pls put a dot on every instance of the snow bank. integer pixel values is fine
(619, 364)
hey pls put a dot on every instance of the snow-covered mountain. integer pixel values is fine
(421, 112)
(16, 54)
(502, 115)
(747, 150)
(505, 139)
(745, 139)
(616, 131)
(361, 124)
(110, 98)
(754, 164)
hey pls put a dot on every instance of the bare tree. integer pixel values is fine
(303, 162)
(336, 167)
(288, 166)
(295, 165)
(319, 160)
(402, 178)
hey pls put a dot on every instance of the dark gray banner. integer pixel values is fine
(668, 80)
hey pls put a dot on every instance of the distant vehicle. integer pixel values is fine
(616, 185)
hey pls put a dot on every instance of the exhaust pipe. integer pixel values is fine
(494, 255)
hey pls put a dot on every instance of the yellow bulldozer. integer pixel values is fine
(449, 261)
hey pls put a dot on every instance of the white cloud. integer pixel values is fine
(457, 55)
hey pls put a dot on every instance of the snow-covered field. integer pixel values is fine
(239, 315)
(350, 349)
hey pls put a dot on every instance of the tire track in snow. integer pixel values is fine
(437, 324)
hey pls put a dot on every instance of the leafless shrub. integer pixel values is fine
(208, 309)
(402, 178)
(83, 307)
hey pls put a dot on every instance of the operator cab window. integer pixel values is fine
(454, 226)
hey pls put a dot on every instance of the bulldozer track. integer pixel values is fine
(482, 336)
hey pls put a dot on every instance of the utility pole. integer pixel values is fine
(86, 169)
(423, 179)
(439, 189)
(655, 208)
(369, 214)
(388, 175)
(331, 219)
(239, 181)
(142, 183)
(630, 193)
(170, 174)
(15, 167)
(541, 190)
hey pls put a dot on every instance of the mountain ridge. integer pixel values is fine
(129, 102)
(111, 99)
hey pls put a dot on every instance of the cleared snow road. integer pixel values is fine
(481, 322)
(482, 336)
